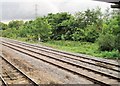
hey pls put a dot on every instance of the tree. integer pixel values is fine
(117, 30)
(61, 24)
(117, 42)
(78, 35)
(91, 33)
(3, 26)
(15, 24)
(89, 17)
(10, 33)
(41, 29)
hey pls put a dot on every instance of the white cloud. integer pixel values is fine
(25, 9)
(81, 5)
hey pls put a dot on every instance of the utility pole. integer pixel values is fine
(36, 15)
(36, 10)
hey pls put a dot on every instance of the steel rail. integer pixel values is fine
(4, 83)
(35, 84)
(80, 66)
(67, 53)
(92, 79)
(56, 53)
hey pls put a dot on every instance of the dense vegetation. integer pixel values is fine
(91, 26)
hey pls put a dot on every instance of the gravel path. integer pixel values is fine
(46, 73)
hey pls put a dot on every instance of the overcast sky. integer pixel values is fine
(25, 9)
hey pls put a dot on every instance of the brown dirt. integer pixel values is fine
(39, 76)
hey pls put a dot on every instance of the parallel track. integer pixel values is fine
(6, 79)
(69, 62)
(92, 61)
(27, 51)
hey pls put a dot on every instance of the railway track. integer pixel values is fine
(98, 77)
(92, 61)
(3, 83)
(110, 68)
(11, 75)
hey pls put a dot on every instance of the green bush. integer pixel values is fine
(91, 33)
(117, 42)
(111, 54)
(106, 42)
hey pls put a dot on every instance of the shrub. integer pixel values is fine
(117, 42)
(91, 33)
(106, 42)
(111, 55)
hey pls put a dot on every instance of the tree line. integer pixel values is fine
(88, 26)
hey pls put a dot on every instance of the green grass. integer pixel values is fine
(78, 47)
(83, 47)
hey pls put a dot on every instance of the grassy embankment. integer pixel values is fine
(81, 47)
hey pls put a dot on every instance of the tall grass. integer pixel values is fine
(78, 47)
(84, 48)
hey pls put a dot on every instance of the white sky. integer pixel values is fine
(25, 9)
